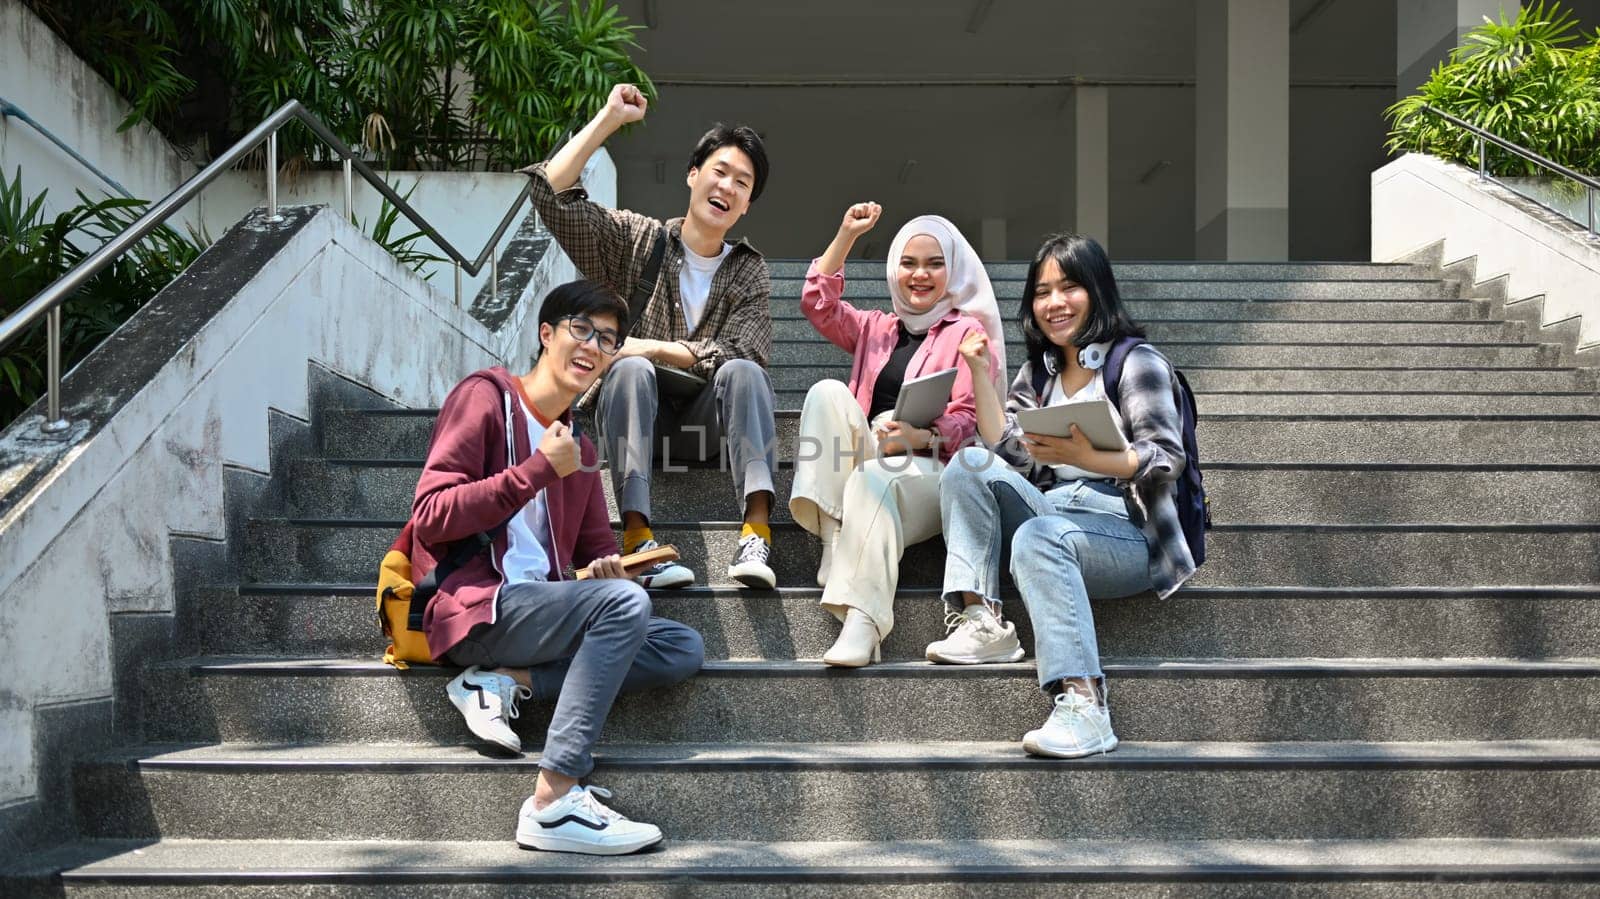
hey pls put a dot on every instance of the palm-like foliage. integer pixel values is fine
(36, 250)
(412, 83)
(1529, 79)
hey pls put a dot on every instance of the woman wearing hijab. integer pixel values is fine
(866, 485)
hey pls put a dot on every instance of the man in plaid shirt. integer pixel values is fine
(692, 373)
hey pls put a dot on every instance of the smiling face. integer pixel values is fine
(719, 189)
(574, 363)
(922, 274)
(1060, 305)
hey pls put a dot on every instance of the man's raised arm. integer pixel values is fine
(625, 105)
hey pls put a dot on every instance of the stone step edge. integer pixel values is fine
(1346, 467)
(1583, 527)
(1144, 668)
(409, 758)
(1225, 416)
(219, 862)
(1531, 592)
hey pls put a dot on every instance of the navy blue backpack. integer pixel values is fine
(1194, 512)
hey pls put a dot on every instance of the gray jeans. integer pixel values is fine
(735, 410)
(582, 642)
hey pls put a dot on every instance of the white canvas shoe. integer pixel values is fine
(579, 822)
(976, 637)
(1076, 727)
(488, 701)
(662, 575)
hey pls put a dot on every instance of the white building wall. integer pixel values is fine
(41, 75)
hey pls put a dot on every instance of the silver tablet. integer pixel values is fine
(1093, 418)
(923, 399)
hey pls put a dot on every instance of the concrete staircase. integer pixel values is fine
(1385, 681)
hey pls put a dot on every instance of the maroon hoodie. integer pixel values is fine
(471, 484)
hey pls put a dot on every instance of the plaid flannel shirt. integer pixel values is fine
(612, 246)
(1149, 407)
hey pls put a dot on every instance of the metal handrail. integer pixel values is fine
(10, 110)
(49, 301)
(1485, 137)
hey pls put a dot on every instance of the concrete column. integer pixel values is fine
(1425, 31)
(1242, 129)
(992, 242)
(1092, 133)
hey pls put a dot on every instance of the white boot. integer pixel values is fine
(857, 644)
(827, 532)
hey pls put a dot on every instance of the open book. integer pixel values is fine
(1093, 418)
(633, 563)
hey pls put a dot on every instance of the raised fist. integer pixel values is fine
(626, 103)
(560, 449)
(860, 218)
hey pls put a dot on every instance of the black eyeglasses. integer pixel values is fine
(583, 330)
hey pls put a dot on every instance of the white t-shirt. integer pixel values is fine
(694, 282)
(528, 550)
(1094, 390)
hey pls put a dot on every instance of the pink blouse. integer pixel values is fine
(871, 335)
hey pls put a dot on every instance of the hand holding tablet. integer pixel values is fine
(1093, 418)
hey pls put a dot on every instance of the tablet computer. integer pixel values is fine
(923, 399)
(1093, 418)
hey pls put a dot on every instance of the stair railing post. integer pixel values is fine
(1483, 169)
(458, 284)
(494, 278)
(1589, 194)
(272, 178)
(53, 422)
(349, 202)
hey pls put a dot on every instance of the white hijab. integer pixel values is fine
(967, 288)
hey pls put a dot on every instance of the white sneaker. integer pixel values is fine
(976, 637)
(1076, 727)
(489, 701)
(662, 575)
(749, 566)
(578, 822)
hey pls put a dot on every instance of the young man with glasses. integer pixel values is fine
(505, 462)
(707, 315)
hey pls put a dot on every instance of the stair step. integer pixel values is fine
(1533, 622)
(1348, 494)
(1294, 379)
(1300, 437)
(1010, 290)
(1026, 868)
(888, 791)
(1377, 333)
(1148, 312)
(358, 700)
(874, 269)
(1280, 354)
(1238, 555)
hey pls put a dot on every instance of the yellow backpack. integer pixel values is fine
(401, 602)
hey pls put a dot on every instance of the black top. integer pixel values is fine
(887, 389)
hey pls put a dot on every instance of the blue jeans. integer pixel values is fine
(1065, 545)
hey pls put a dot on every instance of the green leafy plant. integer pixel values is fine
(414, 84)
(1529, 79)
(402, 246)
(36, 250)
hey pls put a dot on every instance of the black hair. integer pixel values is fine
(585, 298)
(742, 136)
(1083, 261)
